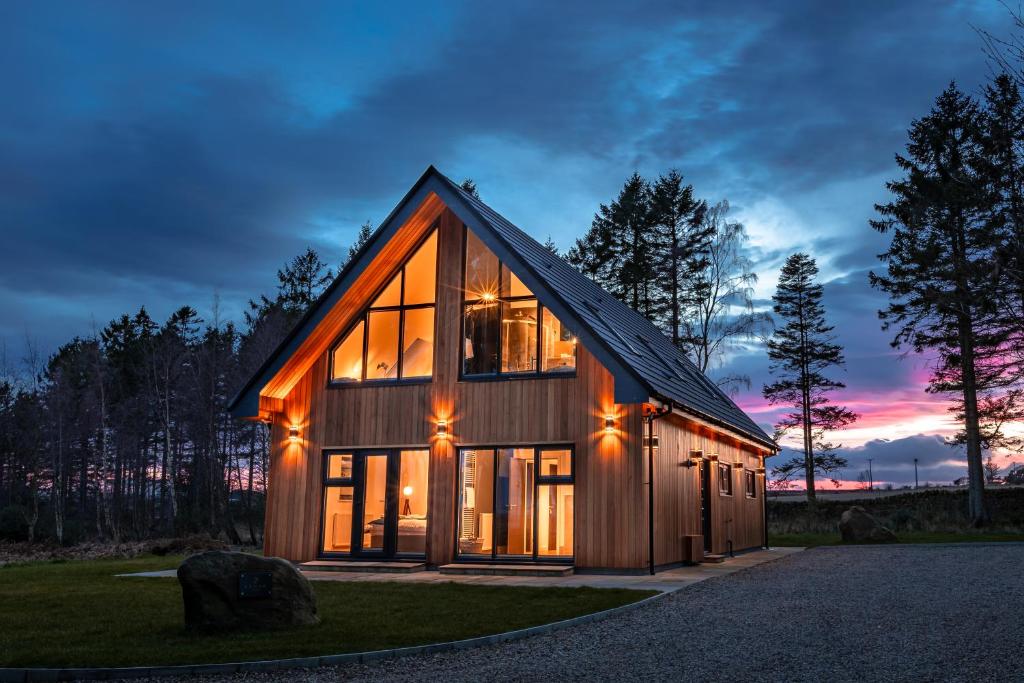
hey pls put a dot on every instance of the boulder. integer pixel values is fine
(236, 591)
(857, 526)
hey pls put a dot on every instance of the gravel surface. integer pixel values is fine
(915, 612)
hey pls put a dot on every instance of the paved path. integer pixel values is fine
(665, 581)
(863, 613)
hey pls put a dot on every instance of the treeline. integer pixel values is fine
(679, 261)
(125, 434)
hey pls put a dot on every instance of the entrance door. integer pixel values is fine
(705, 503)
(375, 503)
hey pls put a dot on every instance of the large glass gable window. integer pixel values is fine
(393, 339)
(505, 330)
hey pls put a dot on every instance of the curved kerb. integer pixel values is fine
(40, 674)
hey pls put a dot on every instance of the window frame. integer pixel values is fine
(364, 318)
(726, 468)
(538, 480)
(498, 375)
(750, 483)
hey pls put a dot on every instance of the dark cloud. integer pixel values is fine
(155, 156)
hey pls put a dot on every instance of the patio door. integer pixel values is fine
(375, 503)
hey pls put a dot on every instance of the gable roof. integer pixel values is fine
(643, 361)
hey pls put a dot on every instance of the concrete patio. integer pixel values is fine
(667, 581)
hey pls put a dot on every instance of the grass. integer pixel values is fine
(813, 539)
(72, 614)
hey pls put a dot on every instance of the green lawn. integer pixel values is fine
(811, 540)
(78, 614)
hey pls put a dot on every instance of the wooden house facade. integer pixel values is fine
(461, 394)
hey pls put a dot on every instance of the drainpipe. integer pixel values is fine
(764, 504)
(649, 419)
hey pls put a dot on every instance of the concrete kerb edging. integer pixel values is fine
(12, 675)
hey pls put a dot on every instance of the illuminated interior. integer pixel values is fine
(516, 502)
(389, 498)
(394, 338)
(505, 330)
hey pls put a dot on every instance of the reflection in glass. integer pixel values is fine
(554, 520)
(412, 501)
(347, 359)
(418, 343)
(558, 345)
(476, 493)
(480, 343)
(481, 270)
(513, 521)
(519, 336)
(338, 519)
(421, 274)
(374, 496)
(512, 286)
(382, 345)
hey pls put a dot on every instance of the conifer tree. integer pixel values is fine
(939, 274)
(801, 350)
(365, 233)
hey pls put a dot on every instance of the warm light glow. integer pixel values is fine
(609, 423)
(442, 428)
(293, 433)
(488, 296)
(407, 491)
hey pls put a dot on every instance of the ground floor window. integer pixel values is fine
(375, 502)
(516, 502)
(751, 483)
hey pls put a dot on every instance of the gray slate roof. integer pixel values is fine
(641, 346)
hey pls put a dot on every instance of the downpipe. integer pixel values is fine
(649, 419)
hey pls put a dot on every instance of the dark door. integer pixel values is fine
(386, 492)
(705, 503)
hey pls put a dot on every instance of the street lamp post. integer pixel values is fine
(871, 476)
(915, 473)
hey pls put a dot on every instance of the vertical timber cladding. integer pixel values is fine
(609, 497)
(677, 491)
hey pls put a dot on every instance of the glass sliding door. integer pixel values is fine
(516, 503)
(375, 503)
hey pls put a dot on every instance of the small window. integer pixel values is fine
(751, 483)
(724, 479)
(394, 338)
(339, 466)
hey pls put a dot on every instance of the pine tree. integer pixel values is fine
(682, 244)
(939, 274)
(365, 233)
(469, 186)
(550, 245)
(801, 350)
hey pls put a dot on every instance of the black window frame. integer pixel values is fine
(401, 308)
(538, 481)
(750, 483)
(500, 300)
(725, 477)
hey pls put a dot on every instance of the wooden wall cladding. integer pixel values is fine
(610, 512)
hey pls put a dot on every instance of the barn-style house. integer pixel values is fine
(461, 395)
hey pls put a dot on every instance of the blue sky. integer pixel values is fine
(162, 156)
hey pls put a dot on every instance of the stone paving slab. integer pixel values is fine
(667, 581)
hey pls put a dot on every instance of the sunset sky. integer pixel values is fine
(160, 157)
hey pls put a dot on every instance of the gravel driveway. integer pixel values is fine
(916, 612)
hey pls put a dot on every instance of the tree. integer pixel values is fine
(619, 252)
(550, 245)
(800, 351)
(365, 233)
(718, 307)
(683, 242)
(939, 262)
(470, 187)
(992, 469)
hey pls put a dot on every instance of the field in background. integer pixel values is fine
(925, 515)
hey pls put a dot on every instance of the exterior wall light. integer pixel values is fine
(695, 458)
(760, 470)
(293, 434)
(442, 428)
(609, 423)
(651, 442)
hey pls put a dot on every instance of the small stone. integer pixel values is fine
(857, 526)
(213, 601)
